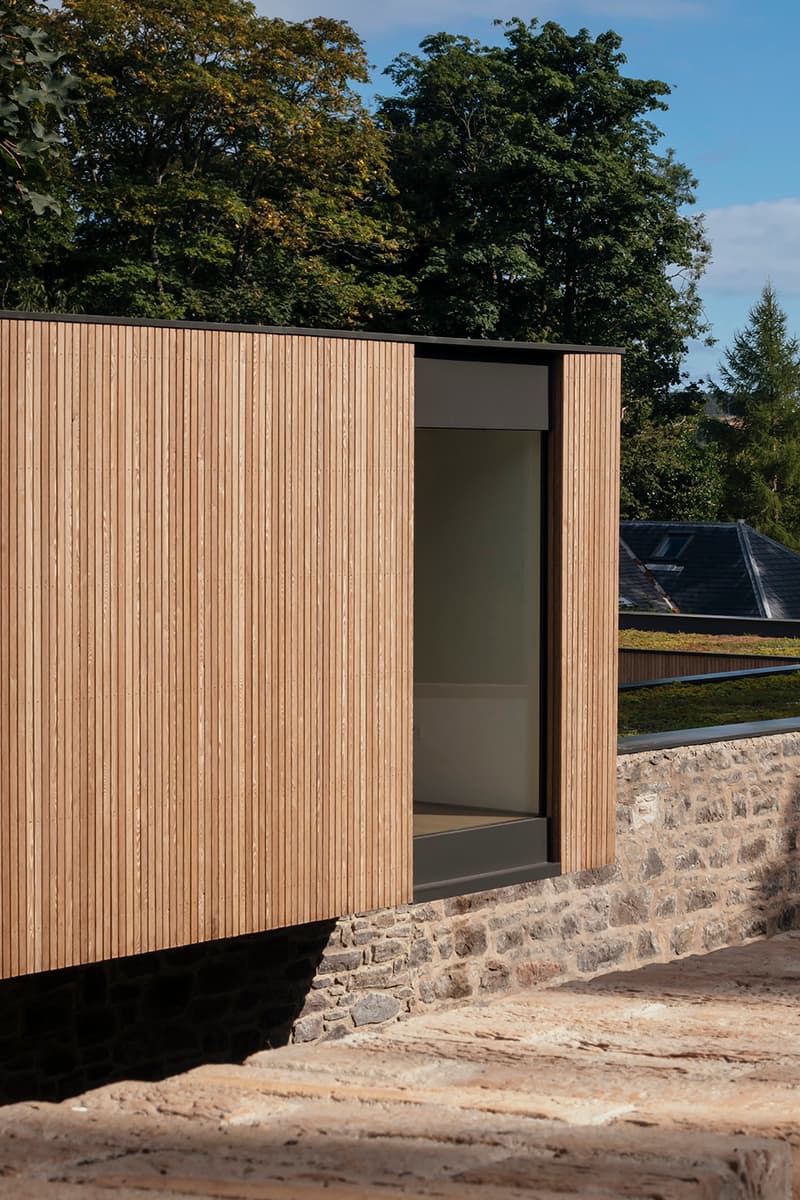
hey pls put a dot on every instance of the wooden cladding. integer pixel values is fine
(640, 666)
(583, 525)
(205, 635)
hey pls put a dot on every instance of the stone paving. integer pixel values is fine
(670, 1081)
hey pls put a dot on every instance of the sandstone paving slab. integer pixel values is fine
(666, 1082)
(223, 1143)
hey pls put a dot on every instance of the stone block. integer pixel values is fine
(454, 985)
(388, 949)
(681, 938)
(469, 940)
(508, 939)
(593, 913)
(340, 961)
(308, 1029)
(714, 810)
(495, 976)
(715, 934)
(373, 975)
(375, 1008)
(631, 907)
(594, 877)
(601, 954)
(528, 974)
(688, 860)
(700, 898)
(645, 944)
(421, 952)
(752, 850)
(652, 866)
(457, 906)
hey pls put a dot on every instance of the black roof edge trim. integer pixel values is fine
(416, 339)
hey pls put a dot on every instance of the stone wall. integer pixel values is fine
(706, 857)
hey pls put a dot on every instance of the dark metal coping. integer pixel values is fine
(670, 739)
(352, 334)
(711, 677)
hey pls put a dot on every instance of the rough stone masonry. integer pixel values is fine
(706, 857)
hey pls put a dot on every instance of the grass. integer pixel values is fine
(695, 705)
(709, 643)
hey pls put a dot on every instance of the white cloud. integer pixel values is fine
(752, 243)
(369, 17)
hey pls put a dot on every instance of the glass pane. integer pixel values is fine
(476, 627)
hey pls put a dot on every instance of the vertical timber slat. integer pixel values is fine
(583, 508)
(205, 634)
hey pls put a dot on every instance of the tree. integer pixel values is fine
(35, 95)
(671, 469)
(761, 439)
(537, 205)
(225, 166)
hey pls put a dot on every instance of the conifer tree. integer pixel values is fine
(761, 438)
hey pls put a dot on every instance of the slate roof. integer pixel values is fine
(712, 568)
(638, 589)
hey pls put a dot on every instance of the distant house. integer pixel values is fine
(707, 567)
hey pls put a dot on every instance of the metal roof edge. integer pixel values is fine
(752, 569)
(672, 739)
(288, 330)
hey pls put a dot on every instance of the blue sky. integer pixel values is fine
(733, 116)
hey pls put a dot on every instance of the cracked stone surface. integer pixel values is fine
(679, 1080)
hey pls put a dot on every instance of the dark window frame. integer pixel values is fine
(458, 862)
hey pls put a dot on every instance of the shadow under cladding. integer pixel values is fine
(152, 1015)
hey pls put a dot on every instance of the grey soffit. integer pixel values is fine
(455, 393)
(467, 344)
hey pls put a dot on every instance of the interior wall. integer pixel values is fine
(477, 618)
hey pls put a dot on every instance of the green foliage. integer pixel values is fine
(709, 643)
(761, 440)
(698, 705)
(225, 167)
(537, 204)
(670, 469)
(35, 96)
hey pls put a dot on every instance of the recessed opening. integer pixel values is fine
(476, 628)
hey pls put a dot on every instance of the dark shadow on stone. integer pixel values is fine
(153, 1015)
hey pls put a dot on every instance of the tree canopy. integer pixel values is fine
(537, 204)
(224, 165)
(761, 440)
(671, 467)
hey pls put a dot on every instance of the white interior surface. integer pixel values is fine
(477, 619)
(473, 746)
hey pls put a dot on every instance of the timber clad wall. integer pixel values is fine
(205, 634)
(638, 666)
(206, 603)
(583, 495)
